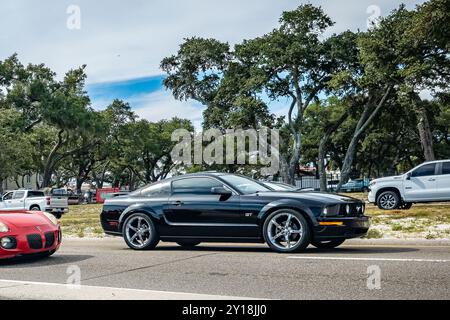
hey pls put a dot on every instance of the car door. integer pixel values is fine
(443, 182)
(6, 201)
(18, 200)
(193, 210)
(421, 184)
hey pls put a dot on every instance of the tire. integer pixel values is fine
(327, 244)
(406, 205)
(35, 208)
(188, 244)
(388, 200)
(139, 232)
(47, 253)
(365, 189)
(284, 226)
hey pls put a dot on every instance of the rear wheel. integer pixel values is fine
(388, 200)
(35, 208)
(140, 233)
(188, 244)
(328, 244)
(57, 215)
(287, 231)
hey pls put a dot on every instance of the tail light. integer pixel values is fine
(48, 201)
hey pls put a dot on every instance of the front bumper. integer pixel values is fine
(28, 243)
(371, 196)
(351, 227)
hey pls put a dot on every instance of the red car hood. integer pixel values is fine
(23, 219)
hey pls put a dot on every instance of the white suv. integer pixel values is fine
(428, 182)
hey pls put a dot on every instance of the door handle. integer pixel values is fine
(431, 179)
(177, 203)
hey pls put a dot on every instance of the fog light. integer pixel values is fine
(8, 243)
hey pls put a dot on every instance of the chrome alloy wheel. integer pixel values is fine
(388, 201)
(138, 232)
(285, 231)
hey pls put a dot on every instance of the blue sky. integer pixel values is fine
(123, 42)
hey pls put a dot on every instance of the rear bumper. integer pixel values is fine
(24, 246)
(352, 227)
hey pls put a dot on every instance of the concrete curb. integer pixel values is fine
(416, 242)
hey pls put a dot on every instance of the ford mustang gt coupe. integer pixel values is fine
(28, 233)
(221, 207)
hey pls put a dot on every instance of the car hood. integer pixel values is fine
(311, 196)
(386, 179)
(23, 219)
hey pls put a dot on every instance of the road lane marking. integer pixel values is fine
(36, 290)
(368, 259)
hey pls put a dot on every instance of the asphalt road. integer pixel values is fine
(109, 269)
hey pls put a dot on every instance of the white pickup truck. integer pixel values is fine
(34, 200)
(428, 182)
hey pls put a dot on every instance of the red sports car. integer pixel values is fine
(28, 232)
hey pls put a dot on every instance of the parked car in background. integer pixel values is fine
(428, 182)
(28, 232)
(34, 201)
(72, 197)
(221, 207)
(356, 185)
(105, 193)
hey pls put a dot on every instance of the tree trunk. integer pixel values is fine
(426, 137)
(323, 150)
(295, 159)
(366, 118)
(49, 163)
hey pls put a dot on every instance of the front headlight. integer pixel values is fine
(3, 227)
(51, 218)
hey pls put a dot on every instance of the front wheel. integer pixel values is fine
(140, 233)
(287, 231)
(388, 200)
(328, 244)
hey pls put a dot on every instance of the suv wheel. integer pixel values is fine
(388, 200)
(140, 233)
(286, 231)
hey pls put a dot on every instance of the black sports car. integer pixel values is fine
(221, 207)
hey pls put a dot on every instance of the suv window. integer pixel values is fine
(35, 194)
(199, 185)
(19, 195)
(8, 196)
(425, 170)
(156, 190)
(446, 168)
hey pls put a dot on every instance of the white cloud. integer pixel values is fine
(127, 39)
(161, 105)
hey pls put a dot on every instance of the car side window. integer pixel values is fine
(446, 167)
(156, 190)
(8, 196)
(199, 185)
(425, 170)
(19, 195)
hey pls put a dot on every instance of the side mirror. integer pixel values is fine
(408, 176)
(221, 191)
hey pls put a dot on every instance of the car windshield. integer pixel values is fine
(244, 185)
(279, 186)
